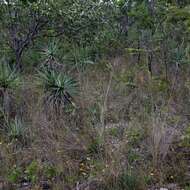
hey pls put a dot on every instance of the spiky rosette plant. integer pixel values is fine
(50, 52)
(9, 81)
(59, 88)
(50, 55)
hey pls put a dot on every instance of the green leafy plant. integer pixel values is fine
(148, 179)
(132, 156)
(59, 88)
(50, 171)
(14, 175)
(32, 171)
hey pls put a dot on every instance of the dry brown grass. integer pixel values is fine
(114, 129)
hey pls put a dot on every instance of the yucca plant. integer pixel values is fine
(50, 52)
(9, 81)
(59, 88)
(79, 57)
(51, 57)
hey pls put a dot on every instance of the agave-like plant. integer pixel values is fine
(79, 57)
(59, 88)
(9, 78)
(9, 81)
(50, 52)
(50, 56)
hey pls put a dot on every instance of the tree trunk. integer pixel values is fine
(6, 103)
(139, 53)
(18, 55)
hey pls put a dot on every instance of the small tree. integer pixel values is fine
(22, 22)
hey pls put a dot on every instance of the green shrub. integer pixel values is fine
(49, 171)
(14, 175)
(32, 171)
